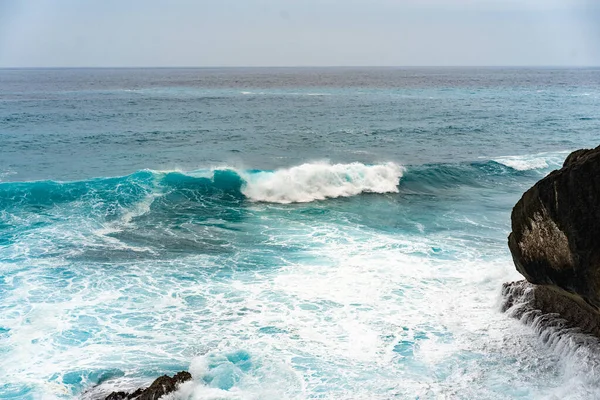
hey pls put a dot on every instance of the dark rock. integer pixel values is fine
(576, 155)
(161, 386)
(555, 239)
(135, 394)
(117, 396)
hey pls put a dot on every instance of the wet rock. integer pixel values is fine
(160, 387)
(555, 239)
(545, 307)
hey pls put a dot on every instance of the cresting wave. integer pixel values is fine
(299, 184)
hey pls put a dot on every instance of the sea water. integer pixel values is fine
(333, 233)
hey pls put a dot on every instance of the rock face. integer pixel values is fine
(161, 386)
(555, 239)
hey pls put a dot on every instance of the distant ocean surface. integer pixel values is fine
(316, 233)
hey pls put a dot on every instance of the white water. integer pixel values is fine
(318, 181)
(353, 312)
(533, 161)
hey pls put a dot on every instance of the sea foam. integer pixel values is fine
(533, 161)
(318, 181)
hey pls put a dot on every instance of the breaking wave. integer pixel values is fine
(298, 184)
(319, 181)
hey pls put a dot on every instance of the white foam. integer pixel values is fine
(342, 313)
(341, 309)
(521, 164)
(318, 181)
(533, 161)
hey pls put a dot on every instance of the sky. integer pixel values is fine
(162, 33)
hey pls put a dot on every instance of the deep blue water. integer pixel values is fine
(281, 233)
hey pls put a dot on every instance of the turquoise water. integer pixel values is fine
(280, 233)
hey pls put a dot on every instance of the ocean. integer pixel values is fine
(281, 233)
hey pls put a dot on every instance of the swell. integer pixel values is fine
(437, 178)
(303, 183)
(300, 184)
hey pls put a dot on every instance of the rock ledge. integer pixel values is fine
(545, 308)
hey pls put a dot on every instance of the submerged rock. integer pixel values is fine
(161, 386)
(555, 239)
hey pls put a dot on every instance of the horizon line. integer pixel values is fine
(299, 66)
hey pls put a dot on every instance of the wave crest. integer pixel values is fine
(319, 181)
(533, 161)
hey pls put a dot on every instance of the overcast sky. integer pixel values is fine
(95, 33)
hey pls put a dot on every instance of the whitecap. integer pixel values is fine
(319, 181)
(533, 161)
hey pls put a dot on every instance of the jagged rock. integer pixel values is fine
(555, 239)
(117, 396)
(161, 386)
